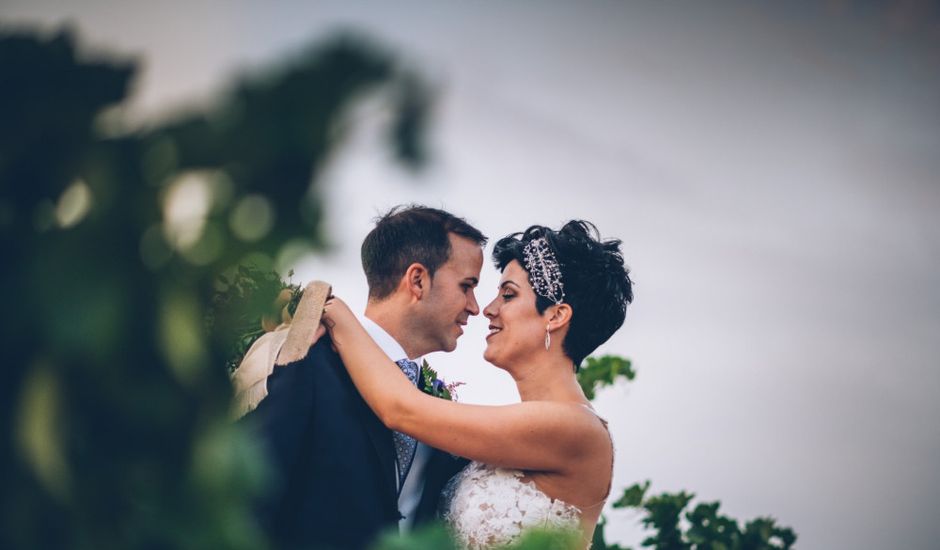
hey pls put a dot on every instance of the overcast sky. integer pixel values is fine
(771, 171)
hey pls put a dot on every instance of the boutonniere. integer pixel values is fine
(436, 387)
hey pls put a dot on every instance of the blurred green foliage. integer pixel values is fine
(436, 537)
(431, 537)
(113, 419)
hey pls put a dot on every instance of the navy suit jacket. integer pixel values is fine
(332, 459)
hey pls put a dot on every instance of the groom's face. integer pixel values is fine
(451, 300)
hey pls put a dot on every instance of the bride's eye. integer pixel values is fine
(508, 297)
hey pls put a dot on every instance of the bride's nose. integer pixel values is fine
(490, 310)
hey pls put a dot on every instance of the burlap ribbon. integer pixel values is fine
(286, 344)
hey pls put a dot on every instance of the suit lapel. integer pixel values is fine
(381, 438)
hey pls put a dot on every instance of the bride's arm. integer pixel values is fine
(538, 435)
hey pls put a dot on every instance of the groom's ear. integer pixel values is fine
(417, 280)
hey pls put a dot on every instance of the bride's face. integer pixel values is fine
(517, 330)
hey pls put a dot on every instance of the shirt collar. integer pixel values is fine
(385, 341)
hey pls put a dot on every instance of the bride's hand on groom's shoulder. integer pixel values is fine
(326, 323)
(335, 314)
(342, 325)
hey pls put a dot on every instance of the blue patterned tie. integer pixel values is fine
(405, 445)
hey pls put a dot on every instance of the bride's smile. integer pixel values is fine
(516, 329)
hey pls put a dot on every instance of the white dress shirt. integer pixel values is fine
(410, 492)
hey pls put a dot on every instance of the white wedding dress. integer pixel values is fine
(487, 506)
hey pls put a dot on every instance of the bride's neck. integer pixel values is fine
(551, 379)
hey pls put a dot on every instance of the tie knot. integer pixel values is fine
(410, 368)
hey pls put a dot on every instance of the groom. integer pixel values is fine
(339, 475)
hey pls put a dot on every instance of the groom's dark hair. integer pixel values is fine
(410, 234)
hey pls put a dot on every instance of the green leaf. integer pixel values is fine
(633, 495)
(599, 541)
(599, 372)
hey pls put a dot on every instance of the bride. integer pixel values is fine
(544, 462)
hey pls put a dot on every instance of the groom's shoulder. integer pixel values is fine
(322, 363)
(320, 355)
(323, 350)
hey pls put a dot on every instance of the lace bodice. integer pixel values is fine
(487, 506)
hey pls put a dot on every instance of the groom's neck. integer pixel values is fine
(392, 318)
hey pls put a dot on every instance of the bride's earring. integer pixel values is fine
(548, 337)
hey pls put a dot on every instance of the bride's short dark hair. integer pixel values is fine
(597, 285)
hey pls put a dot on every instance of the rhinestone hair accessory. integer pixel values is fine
(544, 270)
